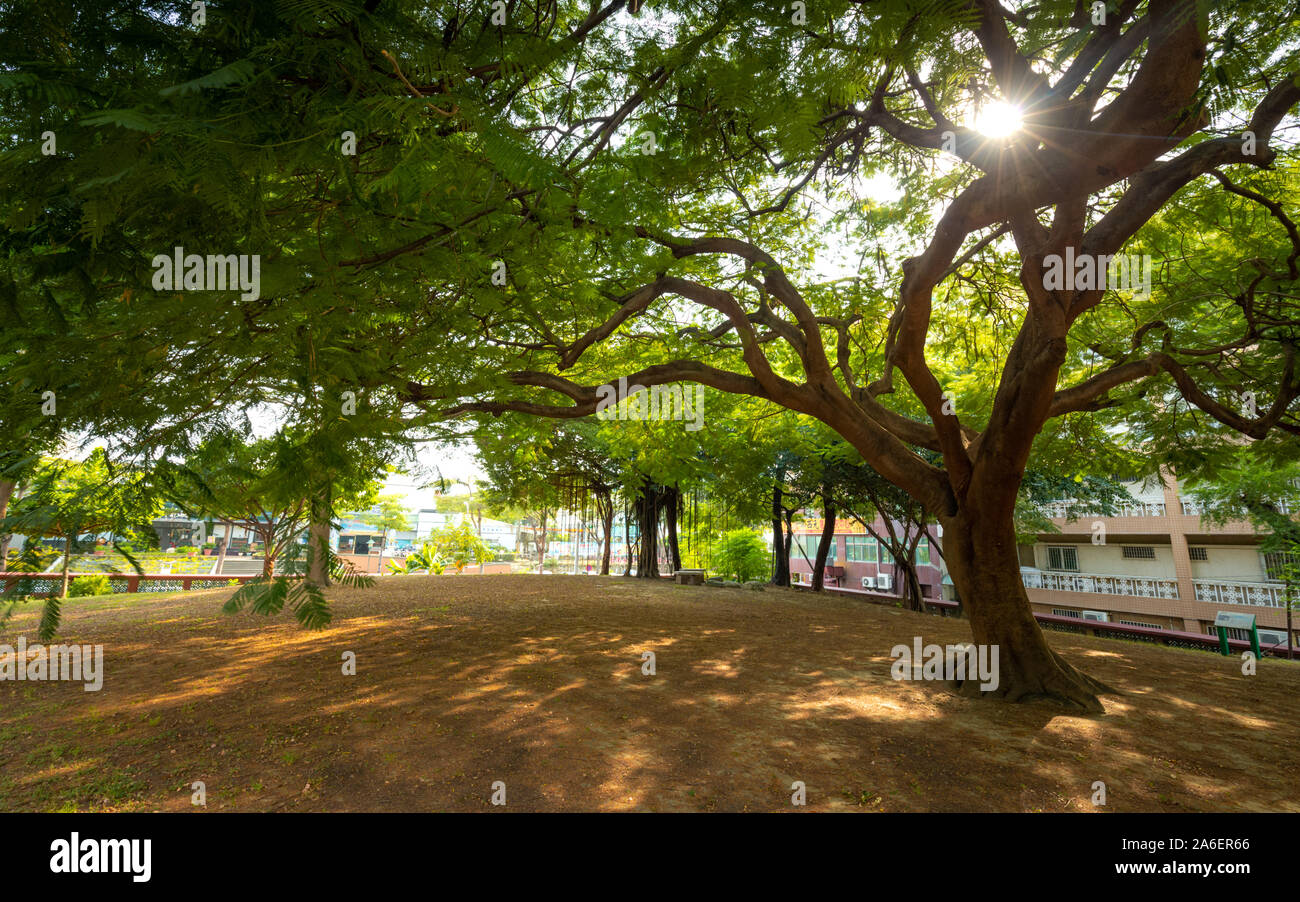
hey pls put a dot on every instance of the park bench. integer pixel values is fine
(688, 577)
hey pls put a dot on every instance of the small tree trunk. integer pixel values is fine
(824, 547)
(985, 570)
(318, 539)
(607, 524)
(1288, 620)
(911, 584)
(647, 514)
(780, 550)
(67, 561)
(627, 541)
(7, 487)
(227, 526)
(542, 542)
(671, 503)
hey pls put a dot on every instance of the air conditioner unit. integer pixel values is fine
(1099, 616)
(884, 581)
(868, 582)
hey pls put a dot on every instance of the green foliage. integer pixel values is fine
(96, 584)
(389, 514)
(459, 545)
(424, 559)
(69, 499)
(305, 599)
(1264, 492)
(740, 555)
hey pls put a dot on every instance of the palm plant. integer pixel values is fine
(269, 595)
(424, 560)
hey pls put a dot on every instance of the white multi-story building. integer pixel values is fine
(1156, 564)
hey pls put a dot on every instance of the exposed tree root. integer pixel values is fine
(1057, 682)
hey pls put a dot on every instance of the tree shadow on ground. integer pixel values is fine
(538, 682)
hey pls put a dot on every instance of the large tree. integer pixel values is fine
(1154, 131)
(540, 204)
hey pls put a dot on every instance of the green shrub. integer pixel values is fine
(90, 585)
(740, 555)
(459, 546)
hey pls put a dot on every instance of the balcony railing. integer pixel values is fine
(1193, 508)
(1059, 510)
(1227, 591)
(1101, 584)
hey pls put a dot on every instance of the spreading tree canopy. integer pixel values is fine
(815, 206)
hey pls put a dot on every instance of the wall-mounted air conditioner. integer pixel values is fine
(868, 582)
(1099, 616)
(884, 581)
(1272, 637)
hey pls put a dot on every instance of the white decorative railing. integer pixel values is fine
(1227, 591)
(1136, 586)
(1059, 510)
(1196, 508)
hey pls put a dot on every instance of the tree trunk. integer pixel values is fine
(647, 520)
(1289, 655)
(318, 539)
(607, 524)
(227, 527)
(67, 561)
(780, 551)
(542, 542)
(910, 583)
(789, 537)
(824, 547)
(670, 500)
(985, 570)
(7, 487)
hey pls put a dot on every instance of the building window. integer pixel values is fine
(1139, 552)
(1062, 557)
(1066, 612)
(1278, 563)
(1198, 553)
(860, 549)
(1150, 626)
(923, 550)
(806, 547)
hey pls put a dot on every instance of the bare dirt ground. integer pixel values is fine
(537, 681)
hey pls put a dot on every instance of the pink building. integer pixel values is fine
(858, 561)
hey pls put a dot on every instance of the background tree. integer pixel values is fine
(244, 483)
(389, 513)
(74, 501)
(459, 545)
(740, 555)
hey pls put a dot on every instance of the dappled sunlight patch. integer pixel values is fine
(1101, 654)
(717, 667)
(60, 770)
